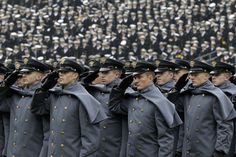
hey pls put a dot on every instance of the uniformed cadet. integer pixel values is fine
(111, 128)
(221, 75)
(26, 130)
(164, 76)
(74, 114)
(151, 117)
(208, 113)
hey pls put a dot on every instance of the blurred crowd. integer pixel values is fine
(123, 29)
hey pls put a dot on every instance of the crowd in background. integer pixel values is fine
(124, 29)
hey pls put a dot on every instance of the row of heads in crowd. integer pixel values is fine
(106, 64)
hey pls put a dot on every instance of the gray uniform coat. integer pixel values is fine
(230, 90)
(26, 131)
(74, 120)
(151, 118)
(111, 128)
(208, 123)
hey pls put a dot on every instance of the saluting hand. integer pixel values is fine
(12, 78)
(91, 77)
(125, 83)
(49, 81)
(183, 80)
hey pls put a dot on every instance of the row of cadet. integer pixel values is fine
(111, 109)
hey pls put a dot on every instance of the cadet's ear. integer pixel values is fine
(117, 73)
(76, 75)
(39, 76)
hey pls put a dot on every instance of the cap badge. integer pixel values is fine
(133, 64)
(192, 63)
(103, 60)
(17, 65)
(62, 61)
(26, 60)
(157, 62)
(213, 63)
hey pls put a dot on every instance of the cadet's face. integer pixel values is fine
(219, 79)
(179, 73)
(108, 76)
(66, 78)
(164, 77)
(142, 81)
(198, 78)
(1, 77)
(31, 78)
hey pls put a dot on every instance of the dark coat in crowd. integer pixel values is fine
(151, 119)
(111, 128)
(74, 120)
(208, 126)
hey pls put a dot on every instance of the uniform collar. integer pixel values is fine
(167, 86)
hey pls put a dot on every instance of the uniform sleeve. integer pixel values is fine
(90, 134)
(5, 99)
(165, 137)
(40, 104)
(116, 102)
(224, 130)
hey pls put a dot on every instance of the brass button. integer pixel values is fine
(62, 145)
(62, 132)
(139, 122)
(131, 121)
(104, 127)
(137, 99)
(63, 120)
(142, 110)
(133, 109)
(65, 107)
(17, 106)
